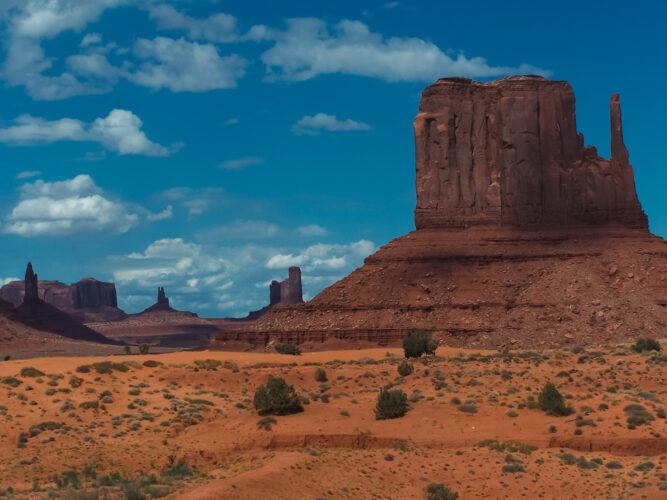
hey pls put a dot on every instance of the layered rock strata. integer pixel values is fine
(525, 237)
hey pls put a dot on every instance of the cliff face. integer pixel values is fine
(508, 153)
(524, 237)
(86, 300)
(289, 290)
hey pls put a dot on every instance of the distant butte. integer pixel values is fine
(524, 238)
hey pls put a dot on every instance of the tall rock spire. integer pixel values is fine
(31, 290)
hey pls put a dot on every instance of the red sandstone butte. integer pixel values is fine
(524, 237)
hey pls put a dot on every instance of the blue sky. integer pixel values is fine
(205, 145)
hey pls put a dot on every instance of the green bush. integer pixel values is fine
(151, 363)
(438, 491)
(644, 345)
(417, 343)
(405, 368)
(143, 349)
(266, 423)
(83, 369)
(552, 401)
(127, 349)
(277, 398)
(288, 349)
(320, 375)
(29, 371)
(391, 404)
(12, 381)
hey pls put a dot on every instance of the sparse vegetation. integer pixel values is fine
(277, 398)
(143, 349)
(417, 343)
(391, 404)
(645, 345)
(29, 371)
(438, 491)
(405, 368)
(552, 401)
(288, 349)
(508, 446)
(320, 375)
(266, 423)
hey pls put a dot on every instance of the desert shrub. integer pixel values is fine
(44, 426)
(508, 446)
(83, 369)
(208, 364)
(644, 345)
(151, 363)
(320, 375)
(645, 466)
(87, 405)
(288, 349)
(638, 415)
(276, 397)
(127, 350)
(468, 407)
(438, 491)
(107, 367)
(29, 371)
(513, 468)
(75, 381)
(552, 401)
(12, 381)
(230, 365)
(417, 343)
(143, 349)
(405, 368)
(23, 439)
(181, 470)
(391, 404)
(266, 423)
(614, 464)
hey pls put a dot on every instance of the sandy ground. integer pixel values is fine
(179, 411)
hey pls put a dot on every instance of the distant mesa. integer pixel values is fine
(40, 315)
(525, 237)
(87, 300)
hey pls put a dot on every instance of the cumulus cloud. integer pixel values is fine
(180, 65)
(72, 206)
(219, 28)
(240, 163)
(119, 131)
(31, 21)
(315, 124)
(312, 230)
(322, 257)
(308, 48)
(219, 280)
(167, 213)
(66, 207)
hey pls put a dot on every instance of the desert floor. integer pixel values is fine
(185, 427)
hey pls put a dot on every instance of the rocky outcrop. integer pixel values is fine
(86, 300)
(508, 152)
(40, 315)
(525, 237)
(162, 304)
(30, 293)
(289, 290)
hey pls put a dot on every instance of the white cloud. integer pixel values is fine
(219, 28)
(93, 66)
(196, 201)
(312, 230)
(308, 48)
(72, 206)
(220, 280)
(91, 39)
(315, 124)
(167, 213)
(240, 163)
(185, 66)
(119, 131)
(29, 22)
(4, 281)
(323, 258)
(27, 174)
(66, 207)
